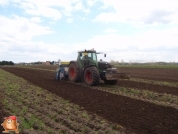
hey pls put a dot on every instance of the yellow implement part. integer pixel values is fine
(64, 63)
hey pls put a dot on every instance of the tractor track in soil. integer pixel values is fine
(138, 116)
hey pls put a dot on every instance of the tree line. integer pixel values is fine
(6, 63)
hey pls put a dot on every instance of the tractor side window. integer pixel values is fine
(89, 55)
(94, 56)
(80, 56)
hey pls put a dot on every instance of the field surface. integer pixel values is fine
(41, 112)
(162, 74)
(141, 105)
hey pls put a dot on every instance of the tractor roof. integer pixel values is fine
(89, 51)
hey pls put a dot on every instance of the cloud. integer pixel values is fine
(159, 17)
(78, 6)
(108, 17)
(28, 51)
(45, 12)
(69, 20)
(109, 30)
(36, 19)
(16, 34)
(91, 2)
(139, 11)
(157, 44)
(20, 28)
(53, 9)
(34, 8)
(16, 41)
(146, 46)
(4, 2)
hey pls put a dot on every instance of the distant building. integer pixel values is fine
(43, 63)
(21, 63)
(47, 62)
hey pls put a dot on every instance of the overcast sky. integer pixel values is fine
(131, 30)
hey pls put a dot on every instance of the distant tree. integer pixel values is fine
(52, 63)
(6, 62)
(11, 63)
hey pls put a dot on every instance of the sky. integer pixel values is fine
(126, 30)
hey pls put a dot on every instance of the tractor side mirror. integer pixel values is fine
(80, 54)
(104, 55)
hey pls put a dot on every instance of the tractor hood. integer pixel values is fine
(104, 65)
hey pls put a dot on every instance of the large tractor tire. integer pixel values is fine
(110, 82)
(91, 76)
(74, 73)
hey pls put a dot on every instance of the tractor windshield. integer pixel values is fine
(92, 56)
(88, 56)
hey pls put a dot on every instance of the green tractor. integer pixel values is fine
(89, 69)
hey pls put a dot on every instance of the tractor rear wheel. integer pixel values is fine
(110, 82)
(91, 76)
(74, 73)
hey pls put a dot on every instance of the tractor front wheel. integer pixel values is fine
(91, 76)
(74, 73)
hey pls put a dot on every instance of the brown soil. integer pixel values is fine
(138, 116)
(150, 87)
(162, 74)
(50, 67)
(145, 73)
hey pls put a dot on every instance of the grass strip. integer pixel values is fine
(165, 99)
(164, 83)
(144, 95)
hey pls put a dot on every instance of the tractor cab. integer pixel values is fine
(87, 57)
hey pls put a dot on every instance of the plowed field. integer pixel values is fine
(162, 74)
(136, 115)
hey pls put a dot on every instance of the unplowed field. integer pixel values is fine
(137, 115)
